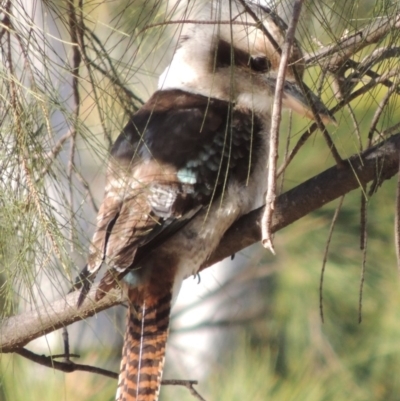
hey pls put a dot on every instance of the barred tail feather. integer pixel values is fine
(144, 350)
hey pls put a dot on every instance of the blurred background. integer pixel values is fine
(250, 328)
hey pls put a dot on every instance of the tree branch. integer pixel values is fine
(69, 367)
(380, 162)
(377, 163)
(334, 55)
(66, 366)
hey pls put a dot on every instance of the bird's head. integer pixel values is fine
(223, 53)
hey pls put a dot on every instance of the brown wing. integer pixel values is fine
(135, 208)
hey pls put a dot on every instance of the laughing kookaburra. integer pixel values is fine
(188, 164)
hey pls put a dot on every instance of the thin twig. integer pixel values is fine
(363, 218)
(390, 131)
(6, 20)
(68, 367)
(54, 152)
(397, 221)
(65, 338)
(363, 245)
(337, 54)
(362, 279)
(357, 129)
(325, 258)
(266, 236)
(93, 85)
(194, 392)
(310, 130)
(281, 173)
(114, 76)
(77, 45)
(379, 111)
(361, 69)
(194, 22)
(365, 66)
(86, 186)
(261, 26)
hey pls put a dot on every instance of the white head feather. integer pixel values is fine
(194, 68)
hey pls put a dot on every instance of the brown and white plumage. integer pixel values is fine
(189, 163)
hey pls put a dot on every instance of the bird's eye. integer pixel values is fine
(260, 64)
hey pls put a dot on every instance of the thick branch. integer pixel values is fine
(377, 162)
(19, 330)
(380, 162)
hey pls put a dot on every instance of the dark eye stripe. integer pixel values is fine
(225, 53)
(225, 56)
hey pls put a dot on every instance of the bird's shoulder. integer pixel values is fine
(171, 126)
(195, 135)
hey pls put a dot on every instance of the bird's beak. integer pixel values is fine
(294, 98)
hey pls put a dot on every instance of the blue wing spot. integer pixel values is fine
(132, 279)
(186, 176)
